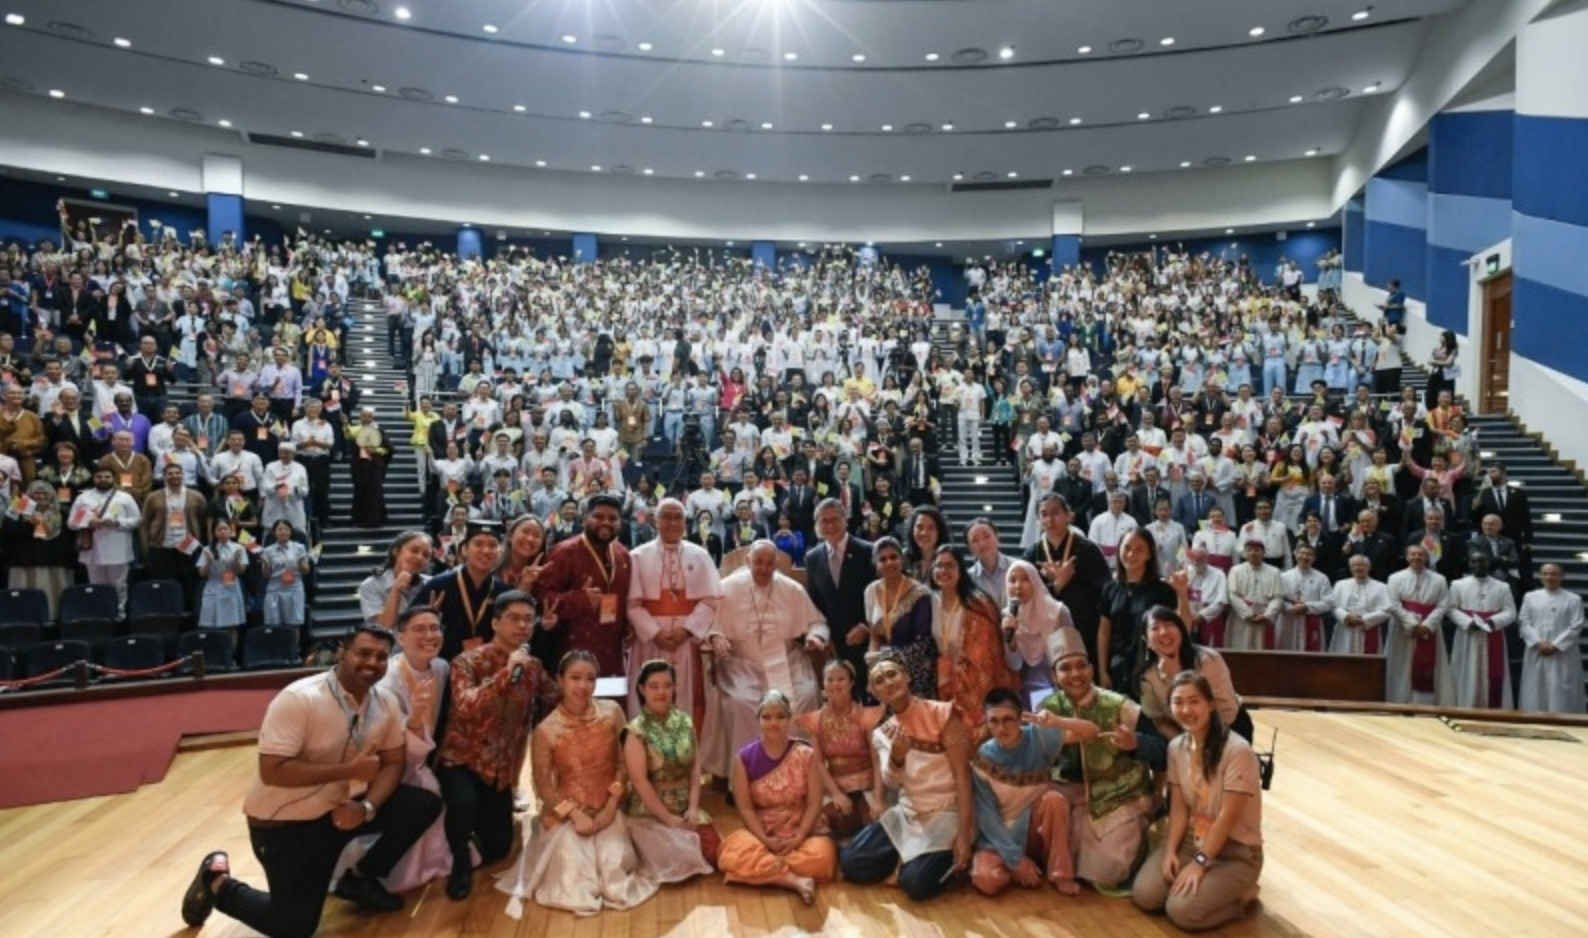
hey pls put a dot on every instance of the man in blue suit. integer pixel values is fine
(836, 574)
(1191, 509)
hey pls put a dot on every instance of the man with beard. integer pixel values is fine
(330, 762)
(105, 518)
(586, 583)
(672, 601)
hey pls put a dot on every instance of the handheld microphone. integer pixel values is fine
(518, 669)
(1013, 612)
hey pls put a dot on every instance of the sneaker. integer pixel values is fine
(460, 882)
(199, 900)
(367, 892)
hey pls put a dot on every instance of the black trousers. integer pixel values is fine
(300, 856)
(475, 808)
(168, 563)
(870, 857)
(318, 468)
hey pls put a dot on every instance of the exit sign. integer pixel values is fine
(1491, 264)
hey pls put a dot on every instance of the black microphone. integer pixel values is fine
(1013, 612)
(518, 669)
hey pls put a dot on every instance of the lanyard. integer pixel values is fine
(474, 618)
(604, 567)
(357, 729)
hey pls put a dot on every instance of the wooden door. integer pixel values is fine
(1494, 377)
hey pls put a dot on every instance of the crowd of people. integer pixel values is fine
(892, 694)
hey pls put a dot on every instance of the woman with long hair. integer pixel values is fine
(388, 590)
(1170, 652)
(672, 835)
(777, 786)
(41, 550)
(929, 530)
(899, 615)
(966, 629)
(841, 733)
(1135, 588)
(1205, 871)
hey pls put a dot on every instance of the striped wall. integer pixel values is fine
(1395, 229)
(1469, 204)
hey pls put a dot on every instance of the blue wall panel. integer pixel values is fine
(469, 244)
(1449, 283)
(1394, 252)
(1354, 235)
(586, 249)
(1550, 327)
(1412, 168)
(1303, 245)
(225, 214)
(1551, 253)
(1467, 223)
(1551, 168)
(1469, 153)
(1394, 202)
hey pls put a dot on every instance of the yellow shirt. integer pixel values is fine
(422, 422)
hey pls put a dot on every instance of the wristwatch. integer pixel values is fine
(369, 810)
(1203, 859)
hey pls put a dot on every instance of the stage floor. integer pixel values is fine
(1375, 826)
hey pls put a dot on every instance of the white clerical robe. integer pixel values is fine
(1107, 529)
(1480, 608)
(1551, 682)
(1416, 669)
(1313, 590)
(766, 630)
(670, 586)
(1369, 599)
(112, 545)
(1253, 592)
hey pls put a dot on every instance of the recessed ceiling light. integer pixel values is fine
(904, 178)
(451, 99)
(1296, 99)
(1229, 231)
(366, 218)
(1216, 109)
(491, 29)
(948, 126)
(804, 178)
(730, 244)
(707, 124)
(1084, 50)
(749, 175)
(1166, 41)
(858, 57)
(1067, 172)
(719, 53)
(1251, 157)
(122, 43)
(378, 89)
(791, 56)
(584, 115)
(1006, 53)
(519, 108)
(361, 142)
(766, 125)
(1011, 125)
(569, 38)
(224, 122)
(485, 157)
(403, 13)
(216, 60)
(57, 93)
(1256, 31)
(647, 171)
(1312, 224)
(276, 208)
(887, 127)
(15, 19)
(937, 244)
(1185, 164)
(595, 169)
(1360, 15)
(1143, 116)
(1074, 121)
(958, 176)
(699, 173)
(540, 164)
(300, 76)
(1312, 152)
(854, 178)
(932, 56)
(645, 47)
(146, 110)
(174, 194)
(1012, 174)
(298, 134)
(1371, 88)
(1152, 237)
(1126, 169)
(827, 126)
(424, 151)
(646, 119)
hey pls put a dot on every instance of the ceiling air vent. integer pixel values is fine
(1332, 94)
(737, 123)
(617, 117)
(332, 139)
(726, 175)
(756, 54)
(14, 83)
(969, 56)
(185, 114)
(1096, 169)
(313, 146)
(359, 7)
(1216, 161)
(68, 30)
(453, 153)
(1125, 46)
(258, 68)
(879, 177)
(917, 128)
(623, 169)
(1002, 185)
(411, 93)
(984, 176)
(1043, 123)
(1180, 112)
(1308, 24)
(606, 42)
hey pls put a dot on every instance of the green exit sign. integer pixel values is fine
(99, 193)
(1491, 264)
(377, 233)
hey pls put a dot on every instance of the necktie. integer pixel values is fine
(835, 562)
(1500, 494)
(1328, 514)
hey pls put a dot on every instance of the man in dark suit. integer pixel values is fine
(1427, 499)
(920, 468)
(848, 496)
(818, 471)
(800, 506)
(1365, 538)
(76, 306)
(1191, 509)
(1144, 498)
(742, 529)
(1447, 553)
(1099, 505)
(1077, 493)
(836, 574)
(1516, 517)
(1504, 558)
(1334, 510)
(69, 426)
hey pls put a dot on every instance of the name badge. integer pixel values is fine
(609, 608)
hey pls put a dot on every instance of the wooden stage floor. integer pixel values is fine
(1376, 826)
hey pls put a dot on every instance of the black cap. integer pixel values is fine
(476, 528)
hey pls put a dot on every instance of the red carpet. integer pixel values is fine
(106, 747)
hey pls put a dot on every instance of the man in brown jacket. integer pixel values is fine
(172, 530)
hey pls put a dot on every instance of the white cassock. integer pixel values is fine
(766, 630)
(1275, 538)
(671, 585)
(1482, 610)
(1370, 600)
(1044, 473)
(113, 545)
(1551, 682)
(1303, 631)
(1416, 669)
(1253, 592)
(1106, 531)
(1170, 538)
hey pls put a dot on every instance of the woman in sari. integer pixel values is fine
(899, 614)
(579, 857)
(841, 734)
(966, 629)
(777, 784)
(672, 835)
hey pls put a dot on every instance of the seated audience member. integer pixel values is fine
(777, 784)
(841, 734)
(1205, 872)
(316, 791)
(923, 752)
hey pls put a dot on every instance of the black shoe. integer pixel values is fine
(198, 902)
(460, 882)
(367, 892)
